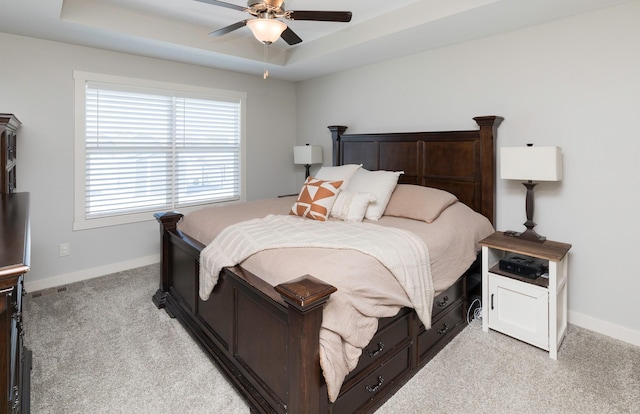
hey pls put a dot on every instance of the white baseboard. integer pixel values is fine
(60, 280)
(605, 328)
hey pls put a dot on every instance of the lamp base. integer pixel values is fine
(528, 234)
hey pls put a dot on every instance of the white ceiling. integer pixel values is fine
(178, 29)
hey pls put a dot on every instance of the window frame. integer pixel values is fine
(146, 86)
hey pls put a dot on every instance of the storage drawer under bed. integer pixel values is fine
(362, 393)
(395, 332)
(391, 335)
(448, 298)
(389, 352)
(441, 329)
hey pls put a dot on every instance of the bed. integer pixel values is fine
(266, 337)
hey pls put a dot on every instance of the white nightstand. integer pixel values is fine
(531, 310)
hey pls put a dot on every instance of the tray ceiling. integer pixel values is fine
(178, 29)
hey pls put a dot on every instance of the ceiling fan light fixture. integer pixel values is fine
(266, 31)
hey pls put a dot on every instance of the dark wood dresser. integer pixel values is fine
(15, 359)
(8, 126)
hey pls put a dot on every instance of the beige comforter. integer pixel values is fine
(451, 252)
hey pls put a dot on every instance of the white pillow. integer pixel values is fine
(351, 206)
(378, 183)
(338, 173)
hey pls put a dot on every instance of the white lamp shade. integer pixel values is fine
(531, 163)
(307, 154)
(266, 30)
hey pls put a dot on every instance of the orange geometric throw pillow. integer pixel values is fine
(316, 199)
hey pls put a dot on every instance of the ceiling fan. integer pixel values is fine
(266, 28)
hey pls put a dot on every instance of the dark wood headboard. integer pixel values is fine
(461, 162)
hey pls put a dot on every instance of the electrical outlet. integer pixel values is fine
(64, 249)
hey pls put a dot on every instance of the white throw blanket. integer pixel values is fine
(402, 252)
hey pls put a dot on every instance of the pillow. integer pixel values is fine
(351, 206)
(378, 183)
(418, 203)
(340, 172)
(316, 199)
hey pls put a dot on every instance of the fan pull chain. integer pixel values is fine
(265, 75)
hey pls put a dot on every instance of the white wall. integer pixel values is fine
(36, 85)
(572, 83)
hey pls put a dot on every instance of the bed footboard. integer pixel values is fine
(265, 340)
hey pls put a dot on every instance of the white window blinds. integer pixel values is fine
(147, 151)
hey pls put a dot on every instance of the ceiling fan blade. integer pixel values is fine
(229, 28)
(322, 16)
(223, 4)
(290, 37)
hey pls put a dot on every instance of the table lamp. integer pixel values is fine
(307, 155)
(530, 164)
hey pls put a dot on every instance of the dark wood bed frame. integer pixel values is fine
(266, 339)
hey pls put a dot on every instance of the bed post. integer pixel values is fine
(168, 223)
(305, 298)
(488, 134)
(336, 132)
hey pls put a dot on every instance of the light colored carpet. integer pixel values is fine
(101, 346)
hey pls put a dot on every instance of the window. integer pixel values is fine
(143, 147)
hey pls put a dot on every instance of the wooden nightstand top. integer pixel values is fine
(548, 250)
